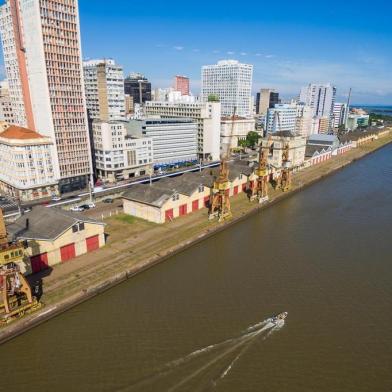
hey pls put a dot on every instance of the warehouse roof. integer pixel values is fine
(312, 149)
(356, 135)
(43, 223)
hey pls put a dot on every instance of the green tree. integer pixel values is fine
(252, 139)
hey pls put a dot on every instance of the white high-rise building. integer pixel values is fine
(321, 98)
(42, 57)
(282, 117)
(104, 84)
(339, 114)
(206, 115)
(231, 82)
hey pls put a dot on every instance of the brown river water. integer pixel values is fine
(323, 255)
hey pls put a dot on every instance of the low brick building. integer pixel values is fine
(55, 236)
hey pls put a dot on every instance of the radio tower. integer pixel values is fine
(220, 202)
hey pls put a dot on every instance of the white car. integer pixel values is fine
(56, 198)
(91, 205)
(77, 209)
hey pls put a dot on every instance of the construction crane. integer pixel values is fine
(220, 199)
(15, 291)
(260, 191)
(285, 175)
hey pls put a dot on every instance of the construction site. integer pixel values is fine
(211, 200)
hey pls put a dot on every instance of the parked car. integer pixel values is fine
(84, 207)
(56, 198)
(91, 205)
(77, 209)
(108, 200)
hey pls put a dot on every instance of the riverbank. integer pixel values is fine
(136, 246)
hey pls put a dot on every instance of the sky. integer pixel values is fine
(290, 43)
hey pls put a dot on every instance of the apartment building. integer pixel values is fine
(231, 82)
(43, 64)
(181, 84)
(119, 152)
(339, 114)
(303, 125)
(104, 85)
(138, 87)
(26, 167)
(6, 112)
(206, 115)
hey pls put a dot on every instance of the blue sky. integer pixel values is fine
(290, 43)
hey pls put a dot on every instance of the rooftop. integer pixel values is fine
(20, 133)
(45, 223)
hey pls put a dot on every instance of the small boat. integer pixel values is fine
(279, 318)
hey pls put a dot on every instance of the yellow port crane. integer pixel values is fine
(285, 175)
(220, 199)
(260, 191)
(15, 292)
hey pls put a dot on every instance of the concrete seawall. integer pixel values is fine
(18, 327)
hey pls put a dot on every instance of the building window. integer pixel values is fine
(201, 189)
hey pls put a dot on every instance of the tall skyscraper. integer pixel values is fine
(231, 81)
(321, 98)
(104, 83)
(43, 64)
(137, 86)
(266, 99)
(181, 84)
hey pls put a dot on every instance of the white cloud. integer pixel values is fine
(270, 56)
(258, 54)
(216, 51)
(196, 50)
(178, 47)
(243, 53)
(230, 52)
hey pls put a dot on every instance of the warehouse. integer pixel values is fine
(56, 236)
(170, 198)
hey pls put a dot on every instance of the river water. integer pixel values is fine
(324, 255)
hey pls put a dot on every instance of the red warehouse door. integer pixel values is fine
(92, 243)
(183, 210)
(236, 190)
(67, 252)
(39, 262)
(195, 205)
(169, 215)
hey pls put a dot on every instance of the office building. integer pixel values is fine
(174, 139)
(42, 57)
(282, 117)
(181, 84)
(26, 167)
(231, 82)
(357, 120)
(266, 99)
(104, 85)
(120, 153)
(138, 87)
(207, 117)
(321, 98)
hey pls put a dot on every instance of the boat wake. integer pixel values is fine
(216, 354)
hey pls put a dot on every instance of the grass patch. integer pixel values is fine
(125, 218)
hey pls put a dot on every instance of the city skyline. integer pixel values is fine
(281, 44)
